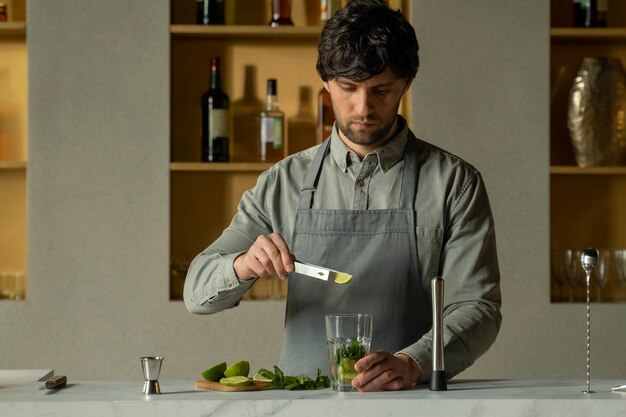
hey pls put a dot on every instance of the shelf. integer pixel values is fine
(220, 166)
(12, 165)
(588, 34)
(574, 170)
(245, 32)
(12, 29)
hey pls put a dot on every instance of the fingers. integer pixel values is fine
(268, 255)
(381, 371)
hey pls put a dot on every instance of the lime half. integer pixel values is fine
(241, 368)
(236, 381)
(215, 372)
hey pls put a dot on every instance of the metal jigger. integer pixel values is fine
(588, 260)
(151, 366)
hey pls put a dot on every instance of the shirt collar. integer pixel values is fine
(388, 155)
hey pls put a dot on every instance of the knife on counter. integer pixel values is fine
(54, 383)
(319, 272)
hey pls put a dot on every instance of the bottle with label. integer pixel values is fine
(272, 127)
(281, 13)
(325, 115)
(210, 12)
(328, 8)
(602, 13)
(215, 119)
(4, 14)
(301, 128)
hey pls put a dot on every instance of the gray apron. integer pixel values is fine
(378, 247)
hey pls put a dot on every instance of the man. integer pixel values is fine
(373, 201)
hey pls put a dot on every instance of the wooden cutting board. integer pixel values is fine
(216, 386)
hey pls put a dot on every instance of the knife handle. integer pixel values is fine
(56, 382)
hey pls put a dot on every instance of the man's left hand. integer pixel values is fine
(382, 371)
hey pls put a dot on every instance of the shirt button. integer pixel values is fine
(342, 165)
(360, 183)
(229, 285)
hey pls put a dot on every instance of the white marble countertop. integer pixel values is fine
(501, 398)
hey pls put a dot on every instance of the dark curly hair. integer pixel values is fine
(363, 39)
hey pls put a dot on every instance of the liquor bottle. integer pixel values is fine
(325, 115)
(328, 8)
(210, 12)
(215, 119)
(585, 13)
(4, 14)
(245, 113)
(281, 13)
(602, 13)
(301, 128)
(272, 126)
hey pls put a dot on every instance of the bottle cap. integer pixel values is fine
(272, 89)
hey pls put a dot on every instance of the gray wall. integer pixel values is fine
(98, 194)
(482, 93)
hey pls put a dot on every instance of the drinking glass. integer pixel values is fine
(619, 262)
(571, 264)
(561, 289)
(349, 337)
(601, 272)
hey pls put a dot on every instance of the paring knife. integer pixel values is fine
(322, 273)
(55, 382)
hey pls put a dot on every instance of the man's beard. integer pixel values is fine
(364, 138)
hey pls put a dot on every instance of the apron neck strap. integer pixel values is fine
(409, 175)
(408, 190)
(313, 176)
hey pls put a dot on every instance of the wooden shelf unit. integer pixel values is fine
(587, 205)
(204, 196)
(13, 139)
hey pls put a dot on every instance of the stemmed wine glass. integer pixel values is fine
(601, 272)
(619, 262)
(574, 272)
(561, 289)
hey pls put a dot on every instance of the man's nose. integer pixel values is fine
(363, 103)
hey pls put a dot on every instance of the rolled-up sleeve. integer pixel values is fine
(211, 284)
(469, 267)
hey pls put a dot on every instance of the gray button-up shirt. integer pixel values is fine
(454, 229)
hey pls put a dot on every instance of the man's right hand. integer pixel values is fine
(268, 255)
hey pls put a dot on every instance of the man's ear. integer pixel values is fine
(407, 85)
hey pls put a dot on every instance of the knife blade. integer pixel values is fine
(55, 382)
(319, 272)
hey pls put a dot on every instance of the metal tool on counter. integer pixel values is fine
(438, 378)
(151, 366)
(54, 383)
(322, 273)
(588, 260)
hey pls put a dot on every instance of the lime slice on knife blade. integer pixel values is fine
(342, 278)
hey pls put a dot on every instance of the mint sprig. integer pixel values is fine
(278, 379)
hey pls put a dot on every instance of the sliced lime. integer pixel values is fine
(236, 381)
(342, 278)
(260, 378)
